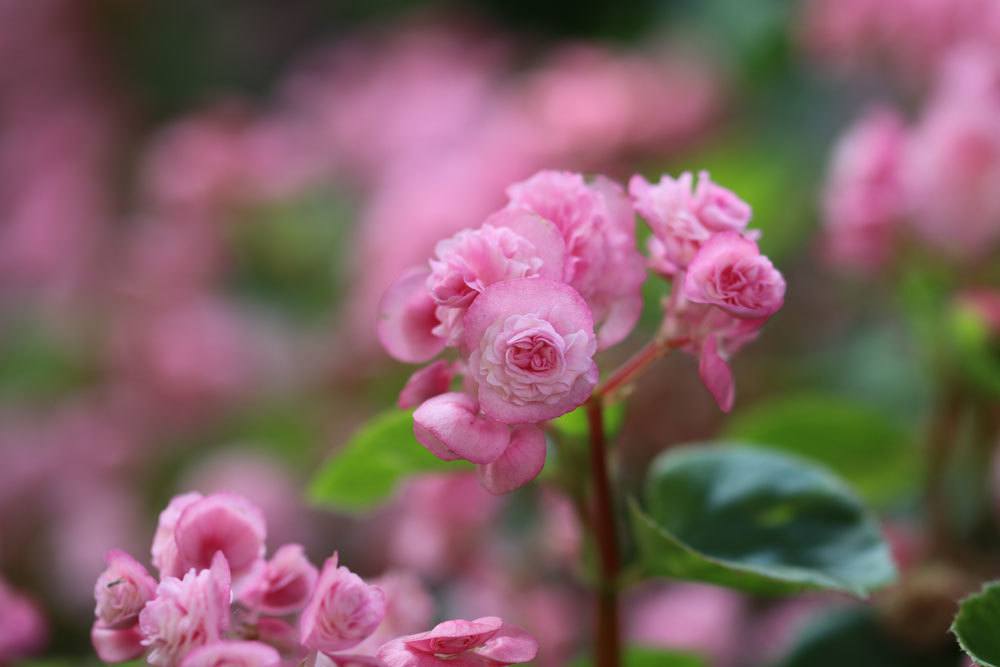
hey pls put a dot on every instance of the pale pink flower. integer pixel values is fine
(407, 319)
(598, 227)
(863, 197)
(233, 654)
(187, 613)
(426, 383)
(342, 612)
(23, 629)
(531, 345)
(667, 209)
(451, 427)
(164, 549)
(484, 642)
(226, 523)
(122, 591)
(730, 272)
(285, 584)
(717, 208)
(116, 644)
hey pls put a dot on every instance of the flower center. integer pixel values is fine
(535, 354)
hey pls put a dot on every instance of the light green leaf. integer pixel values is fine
(365, 471)
(977, 625)
(759, 521)
(640, 656)
(855, 441)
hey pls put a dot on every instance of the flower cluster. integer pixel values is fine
(935, 178)
(219, 601)
(724, 289)
(530, 296)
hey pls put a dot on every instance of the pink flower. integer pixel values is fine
(729, 272)
(342, 612)
(484, 642)
(285, 584)
(598, 227)
(667, 208)
(863, 199)
(450, 426)
(222, 522)
(531, 345)
(187, 613)
(426, 383)
(122, 591)
(164, 550)
(407, 319)
(717, 208)
(116, 644)
(233, 654)
(952, 168)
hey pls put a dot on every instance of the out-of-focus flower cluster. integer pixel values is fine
(932, 177)
(526, 301)
(218, 601)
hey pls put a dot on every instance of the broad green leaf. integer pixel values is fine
(977, 625)
(756, 520)
(640, 656)
(365, 471)
(856, 637)
(855, 441)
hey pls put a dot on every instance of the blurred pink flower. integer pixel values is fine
(23, 629)
(233, 654)
(953, 163)
(186, 614)
(863, 198)
(408, 607)
(285, 585)
(462, 644)
(343, 610)
(692, 617)
(122, 591)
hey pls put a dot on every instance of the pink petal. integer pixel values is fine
(406, 319)
(285, 583)
(511, 645)
(116, 645)
(233, 654)
(545, 236)
(456, 636)
(222, 522)
(622, 317)
(716, 375)
(426, 383)
(520, 463)
(450, 426)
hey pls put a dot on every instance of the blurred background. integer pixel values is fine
(201, 203)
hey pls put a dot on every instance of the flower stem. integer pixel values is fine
(607, 634)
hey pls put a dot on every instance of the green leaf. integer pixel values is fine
(855, 441)
(977, 625)
(856, 637)
(640, 656)
(759, 521)
(365, 471)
